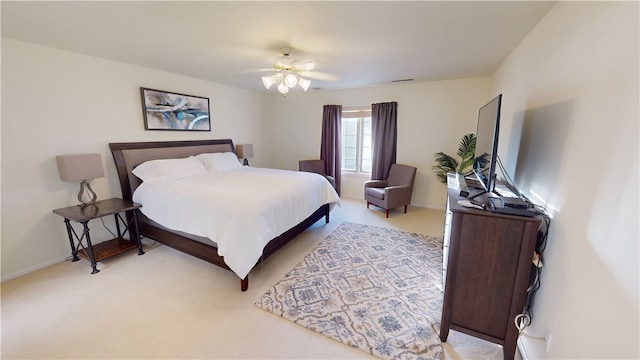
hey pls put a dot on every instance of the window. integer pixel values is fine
(356, 140)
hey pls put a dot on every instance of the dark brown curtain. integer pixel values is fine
(330, 143)
(384, 130)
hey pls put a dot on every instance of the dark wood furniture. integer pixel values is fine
(129, 155)
(84, 213)
(486, 264)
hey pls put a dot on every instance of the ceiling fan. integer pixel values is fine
(289, 73)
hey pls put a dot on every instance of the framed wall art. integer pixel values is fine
(164, 110)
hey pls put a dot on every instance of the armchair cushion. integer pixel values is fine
(375, 192)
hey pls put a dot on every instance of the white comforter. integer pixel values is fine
(241, 210)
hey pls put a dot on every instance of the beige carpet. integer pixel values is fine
(372, 288)
(168, 305)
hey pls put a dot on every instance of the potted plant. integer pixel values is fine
(446, 163)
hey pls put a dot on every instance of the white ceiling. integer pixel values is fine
(359, 43)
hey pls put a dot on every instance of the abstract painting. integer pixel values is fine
(164, 110)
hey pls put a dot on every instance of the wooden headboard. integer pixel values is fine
(129, 155)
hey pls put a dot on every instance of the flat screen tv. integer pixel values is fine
(486, 152)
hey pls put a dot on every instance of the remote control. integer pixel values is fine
(472, 204)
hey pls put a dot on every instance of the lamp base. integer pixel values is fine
(85, 187)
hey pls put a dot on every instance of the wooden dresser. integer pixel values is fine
(486, 264)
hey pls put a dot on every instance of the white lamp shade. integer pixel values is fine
(285, 80)
(304, 84)
(268, 81)
(283, 88)
(79, 167)
(244, 151)
(290, 80)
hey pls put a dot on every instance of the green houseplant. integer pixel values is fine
(446, 163)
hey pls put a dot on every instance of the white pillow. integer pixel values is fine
(223, 161)
(169, 169)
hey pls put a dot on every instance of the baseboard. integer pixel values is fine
(521, 349)
(32, 269)
(359, 197)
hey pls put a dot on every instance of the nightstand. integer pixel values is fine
(84, 213)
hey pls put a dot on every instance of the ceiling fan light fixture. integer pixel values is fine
(283, 88)
(287, 73)
(304, 84)
(291, 80)
(268, 81)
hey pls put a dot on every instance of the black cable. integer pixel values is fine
(543, 232)
(105, 226)
(541, 244)
(507, 178)
(523, 320)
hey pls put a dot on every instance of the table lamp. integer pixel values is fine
(244, 151)
(81, 167)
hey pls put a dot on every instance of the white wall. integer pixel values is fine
(56, 102)
(570, 110)
(432, 117)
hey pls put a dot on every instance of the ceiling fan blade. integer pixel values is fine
(306, 65)
(255, 70)
(319, 76)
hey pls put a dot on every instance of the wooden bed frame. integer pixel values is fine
(131, 154)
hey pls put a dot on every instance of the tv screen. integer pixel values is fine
(486, 152)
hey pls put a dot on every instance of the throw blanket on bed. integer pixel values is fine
(241, 210)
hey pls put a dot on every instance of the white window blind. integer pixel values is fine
(356, 139)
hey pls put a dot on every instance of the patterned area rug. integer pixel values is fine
(372, 288)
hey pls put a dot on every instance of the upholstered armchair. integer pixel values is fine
(393, 192)
(318, 167)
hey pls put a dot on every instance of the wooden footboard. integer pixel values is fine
(129, 155)
(210, 254)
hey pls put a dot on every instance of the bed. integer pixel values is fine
(209, 242)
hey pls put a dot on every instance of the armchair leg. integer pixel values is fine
(367, 204)
(387, 213)
(405, 209)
